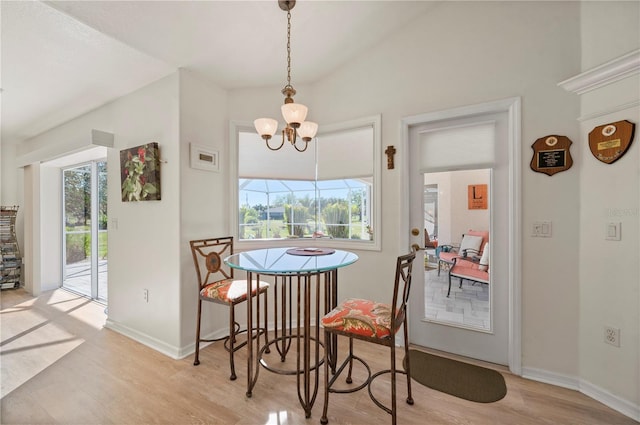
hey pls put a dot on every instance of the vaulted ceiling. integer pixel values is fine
(61, 59)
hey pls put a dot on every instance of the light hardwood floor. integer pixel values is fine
(60, 366)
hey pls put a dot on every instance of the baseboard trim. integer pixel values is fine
(169, 350)
(623, 406)
(599, 394)
(144, 339)
(190, 349)
(552, 378)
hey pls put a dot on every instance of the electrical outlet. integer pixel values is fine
(612, 336)
(145, 295)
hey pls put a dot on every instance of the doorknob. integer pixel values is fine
(415, 247)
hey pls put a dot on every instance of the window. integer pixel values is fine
(328, 191)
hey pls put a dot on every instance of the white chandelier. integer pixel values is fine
(294, 113)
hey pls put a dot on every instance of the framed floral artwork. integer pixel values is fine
(140, 173)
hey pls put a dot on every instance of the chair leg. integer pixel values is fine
(449, 291)
(323, 419)
(393, 384)
(406, 356)
(232, 341)
(349, 380)
(196, 360)
(439, 263)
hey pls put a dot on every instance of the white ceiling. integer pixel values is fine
(61, 59)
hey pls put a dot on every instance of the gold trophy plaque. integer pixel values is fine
(609, 142)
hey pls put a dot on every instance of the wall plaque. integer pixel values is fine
(551, 154)
(477, 197)
(609, 142)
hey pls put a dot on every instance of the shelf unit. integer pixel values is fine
(10, 261)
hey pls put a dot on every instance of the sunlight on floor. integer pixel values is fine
(36, 333)
(277, 418)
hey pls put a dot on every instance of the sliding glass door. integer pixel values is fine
(85, 229)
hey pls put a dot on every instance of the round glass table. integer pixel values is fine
(311, 274)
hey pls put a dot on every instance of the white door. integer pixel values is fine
(84, 227)
(449, 142)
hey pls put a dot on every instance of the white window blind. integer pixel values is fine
(457, 147)
(345, 154)
(256, 161)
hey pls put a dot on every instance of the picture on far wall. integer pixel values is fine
(140, 173)
(477, 196)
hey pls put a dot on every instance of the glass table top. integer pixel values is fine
(277, 260)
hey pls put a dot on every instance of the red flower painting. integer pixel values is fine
(140, 175)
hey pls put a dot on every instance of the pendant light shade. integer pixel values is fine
(308, 130)
(266, 127)
(294, 113)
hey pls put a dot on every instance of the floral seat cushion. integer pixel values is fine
(230, 291)
(360, 317)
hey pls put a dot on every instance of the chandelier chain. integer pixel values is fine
(289, 47)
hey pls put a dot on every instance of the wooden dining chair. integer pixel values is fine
(372, 322)
(217, 285)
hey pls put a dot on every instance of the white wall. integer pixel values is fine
(50, 231)
(144, 248)
(11, 187)
(609, 290)
(204, 205)
(31, 213)
(8, 175)
(468, 53)
(144, 251)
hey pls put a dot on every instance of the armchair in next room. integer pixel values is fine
(472, 244)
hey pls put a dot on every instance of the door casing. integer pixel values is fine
(512, 107)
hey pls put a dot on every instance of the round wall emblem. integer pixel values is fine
(609, 142)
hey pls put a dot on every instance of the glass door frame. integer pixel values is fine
(94, 230)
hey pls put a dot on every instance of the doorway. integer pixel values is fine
(84, 223)
(490, 141)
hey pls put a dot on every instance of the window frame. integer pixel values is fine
(235, 127)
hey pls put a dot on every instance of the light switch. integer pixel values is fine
(613, 232)
(541, 229)
(546, 229)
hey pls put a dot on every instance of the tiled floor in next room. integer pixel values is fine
(466, 306)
